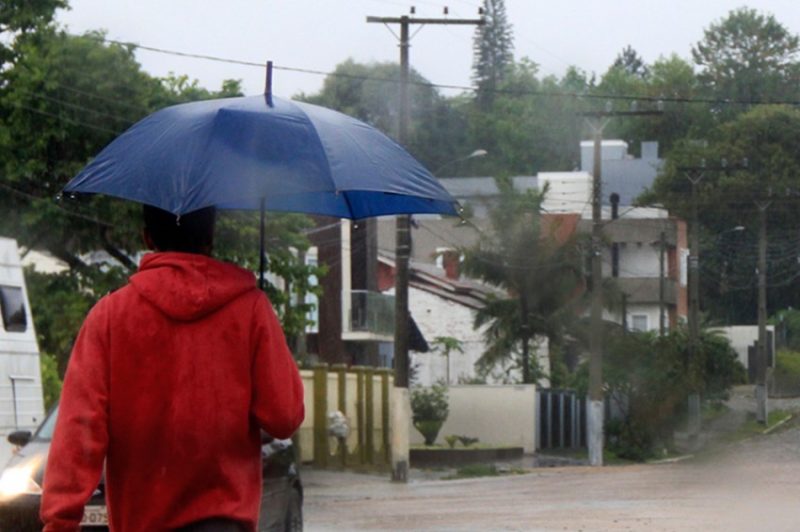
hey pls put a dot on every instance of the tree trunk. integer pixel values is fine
(526, 365)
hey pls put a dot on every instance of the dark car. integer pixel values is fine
(21, 481)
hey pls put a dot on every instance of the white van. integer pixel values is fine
(21, 399)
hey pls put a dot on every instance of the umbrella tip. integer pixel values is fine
(268, 87)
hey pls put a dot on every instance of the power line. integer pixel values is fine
(518, 92)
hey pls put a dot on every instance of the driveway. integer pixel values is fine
(753, 486)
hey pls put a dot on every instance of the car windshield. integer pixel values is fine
(45, 432)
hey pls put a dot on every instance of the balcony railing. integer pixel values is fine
(371, 313)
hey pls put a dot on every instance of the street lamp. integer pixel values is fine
(477, 153)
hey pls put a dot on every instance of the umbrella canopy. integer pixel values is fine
(246, 153)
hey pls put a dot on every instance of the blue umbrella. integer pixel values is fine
(254, 152)
(262, 153)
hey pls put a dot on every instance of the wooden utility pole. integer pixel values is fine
(401, 401)
(695, 175)
(662, 244)
(596, 407)
(762, 410)
(694, 421)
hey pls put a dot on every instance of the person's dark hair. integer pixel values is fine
(190, 233)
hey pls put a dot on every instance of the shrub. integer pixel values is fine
(430, 410)
(649, 377)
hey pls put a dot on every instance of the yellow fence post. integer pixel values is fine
(321, 451)
(360, 413)
(385, 414)
(341, 371)
(369, 376)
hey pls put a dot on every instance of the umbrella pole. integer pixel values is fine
(261, 261)
(268, 85)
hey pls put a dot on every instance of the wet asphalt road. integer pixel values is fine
(751, 486)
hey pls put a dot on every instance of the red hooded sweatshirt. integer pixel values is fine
(169, 382)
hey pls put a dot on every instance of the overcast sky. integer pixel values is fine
(319, 34)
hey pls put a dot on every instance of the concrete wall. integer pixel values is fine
(743, 336)
(497, 415)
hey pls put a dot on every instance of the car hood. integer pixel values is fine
(34, 453)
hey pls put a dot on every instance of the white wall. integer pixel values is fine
(635, 260)
(436, 316)
(639, 260)
(567, 192)
(743, 336)
(497, 415)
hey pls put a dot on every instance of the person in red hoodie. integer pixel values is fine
(170, 382)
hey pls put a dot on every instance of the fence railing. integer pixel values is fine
(562, 419)
(362, 395)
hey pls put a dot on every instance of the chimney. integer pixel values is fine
(450, 262)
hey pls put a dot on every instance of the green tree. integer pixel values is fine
(631, 62)
(65, 98)
(541, 275)
(528, 127)
(371, 93)
(493, 49)
(767, 137)
(748, 56)
(21, 18)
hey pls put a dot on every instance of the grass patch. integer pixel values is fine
(483, 470)
(787, 372)
(751, 427)
(473, 447)
(611, 458)
(713, 410)
(580, 453)
(788, 363)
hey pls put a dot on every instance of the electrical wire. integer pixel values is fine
(518, 92)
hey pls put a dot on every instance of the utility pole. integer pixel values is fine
(596, 407)
(695, 175)
(662, 244)
(401, 404)
(762, 409)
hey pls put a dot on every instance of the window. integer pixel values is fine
(12, 304)
(639, 322)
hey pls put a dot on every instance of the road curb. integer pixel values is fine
(778, 424)
(673, 460)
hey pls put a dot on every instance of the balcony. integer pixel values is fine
(646, 289)
(370, 317)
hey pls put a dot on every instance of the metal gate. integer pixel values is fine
(562, 419)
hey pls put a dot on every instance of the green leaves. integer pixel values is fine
(536, 264)
(748, 56)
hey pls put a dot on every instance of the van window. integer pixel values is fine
(12, 305)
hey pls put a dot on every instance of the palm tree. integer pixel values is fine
(537, 264)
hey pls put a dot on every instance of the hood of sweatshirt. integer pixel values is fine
(187, 286)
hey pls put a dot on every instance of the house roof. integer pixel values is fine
(432, 279)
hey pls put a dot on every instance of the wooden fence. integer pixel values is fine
(362, 395)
